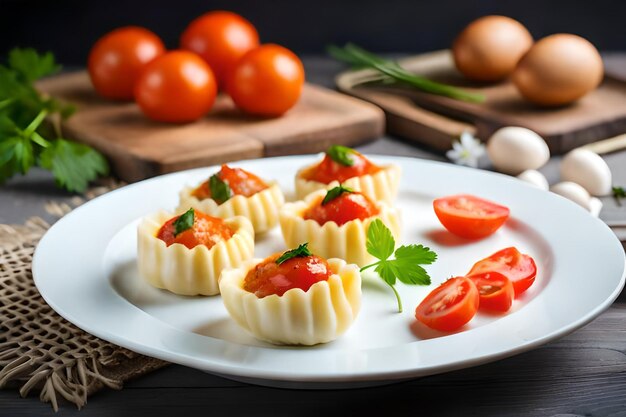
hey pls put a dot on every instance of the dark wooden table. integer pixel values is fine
(582, 374)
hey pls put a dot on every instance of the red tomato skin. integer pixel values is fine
(341, 210)
(177, 87)
(221, 38)
(240, 181)
(465, 304)
(117, 59)
(267, 81)
(269, 278)
(501, 298)
(206, 230)
(519, 268)
(328, 170)
(466, 224)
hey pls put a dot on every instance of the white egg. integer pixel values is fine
(595, 206)
(573, 192)
(588, 169)
(513, 150)
(535, 178)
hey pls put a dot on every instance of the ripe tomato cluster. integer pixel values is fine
(218, 50)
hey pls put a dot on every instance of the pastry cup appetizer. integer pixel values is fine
(294, 298)
(236, 192)
(342, 165)
(186, 254)
(335, 223)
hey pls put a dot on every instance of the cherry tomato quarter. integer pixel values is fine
(176, 87)
(267, 81)
(519, 268)
(495, 291)
(117, 59)
(449, 306)
(221, 38)
(469, 216)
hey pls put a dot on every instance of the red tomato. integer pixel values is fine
(220, 38)
(117, 59)
(450, 305)
(267, 81)
(519, 268)
(345, 208)
(469, 216)
(269, 278)
(176, 87)
(206, 230)
(496, 291)
(241, 182)
(328, 170)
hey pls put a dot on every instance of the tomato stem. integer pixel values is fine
(397, 297)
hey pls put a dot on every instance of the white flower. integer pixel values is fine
(466, 151)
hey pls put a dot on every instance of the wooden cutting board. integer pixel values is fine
(139, 148)
(436, 121)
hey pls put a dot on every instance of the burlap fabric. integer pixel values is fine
(39, 350)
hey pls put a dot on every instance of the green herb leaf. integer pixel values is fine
(300, 251)
(335, 193)
(73, 164)
(618, 194)
(220, 190)
(406, 265)
(32, 66)
(184, 221)
(341, 155)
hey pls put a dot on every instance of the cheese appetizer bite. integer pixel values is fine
(236, 192)
(343, 165)
(185, 254)
(294, 298)
(335, 223)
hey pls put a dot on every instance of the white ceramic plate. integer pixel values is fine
(85, 269)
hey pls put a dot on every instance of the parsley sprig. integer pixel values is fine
(405, 266)
(336, 192)
(220, 190)
(300, 251)
(341, 155)
(184, 221)
(30, 132)
(618, 194)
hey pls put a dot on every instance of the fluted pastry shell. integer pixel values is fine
(260, 208)
(381, 186)
(320, 314)
(330, 240)
(185, 271)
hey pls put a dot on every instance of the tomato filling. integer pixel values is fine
(347, 207)
(269, 277)
(205, 230)
(328, 170)
(240, 182)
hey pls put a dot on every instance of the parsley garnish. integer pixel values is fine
(184, 222)
(618, 194)
(406, 265)
(220, 190)
(341, 155)
(30, 132)
(335, 192)
(300, 251)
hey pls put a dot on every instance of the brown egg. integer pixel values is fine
(489, 48)
(559, 69)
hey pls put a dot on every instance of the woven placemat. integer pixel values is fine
(39, 350)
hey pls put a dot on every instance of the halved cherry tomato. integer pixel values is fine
(117, 59)
(206, 230)
(176, 87)
(221, 38)
(519, 268)
(469, 216)
(328, 170)
(495, 290)
(269, 278)
(450, 305)
(267, 81)
(345, 208)
(240, 181)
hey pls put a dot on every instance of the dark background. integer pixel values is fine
(69, 27)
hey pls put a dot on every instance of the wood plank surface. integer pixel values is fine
(139, 148)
